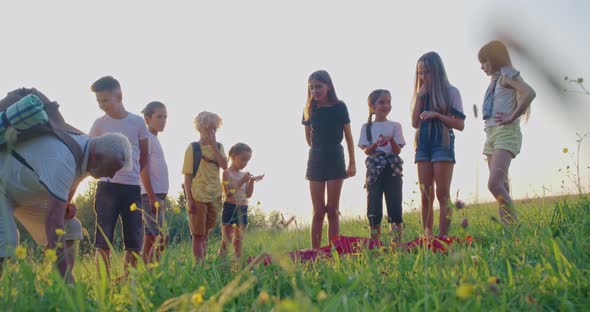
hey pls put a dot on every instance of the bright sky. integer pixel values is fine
(249, 61)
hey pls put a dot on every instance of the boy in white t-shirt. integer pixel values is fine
(156, 188)
(121, 194)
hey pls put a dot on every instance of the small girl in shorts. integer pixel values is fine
(507, 98)
(238, 186)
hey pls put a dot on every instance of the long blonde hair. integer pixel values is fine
(323, 77)
(440, 99)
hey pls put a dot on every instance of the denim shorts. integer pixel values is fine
(234, 214)
(153, 223)
(114, 200)
(435, 151)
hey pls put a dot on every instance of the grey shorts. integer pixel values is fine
(153, 222)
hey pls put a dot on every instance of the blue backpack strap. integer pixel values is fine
(197, 154)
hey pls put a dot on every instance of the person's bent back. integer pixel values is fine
(37, 180)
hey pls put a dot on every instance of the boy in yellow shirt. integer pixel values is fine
(202, 185)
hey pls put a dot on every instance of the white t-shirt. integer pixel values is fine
(504, 100)
(51, 160)
(133, 127)
(382, 129)
(157, 167)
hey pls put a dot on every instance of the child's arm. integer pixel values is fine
(219, 156)
(350, 144)
(451, 121)
(369, 150)
(225, 179)
(418, 106)
(145, 172)
(250, 188)
(395, 147)
(525, 95)
(144, 150)
(190, 202)
(308, 135)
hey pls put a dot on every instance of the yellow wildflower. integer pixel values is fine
(263, 297)
(176, 210)
(197, 298)
(157, 204)
(235, 226)
(133, 207)
(322, 296)
(493, 280)
(565, 150)
(226, 182)
(21, 252)
(50, 255)
(59, 232)
(464, 291)
(232, 191)
(201, 290)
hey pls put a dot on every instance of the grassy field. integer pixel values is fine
(540, 264)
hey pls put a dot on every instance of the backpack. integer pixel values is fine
(55, 124)
(198, 155)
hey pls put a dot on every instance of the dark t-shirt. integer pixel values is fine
(327, 124)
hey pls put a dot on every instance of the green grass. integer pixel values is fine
(542, 264)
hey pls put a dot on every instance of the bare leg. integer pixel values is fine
(443, 174)
(157, 249)
(226, 238)
(333, 206)
(499, 163)
(317, 190)
(70, 255)
(376, 232)
(103, 256)
(426, 179)
(148, 243)
(198, 245)
(238, 240)
(396, 230)
(129, 260)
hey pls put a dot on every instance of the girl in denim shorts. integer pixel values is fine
(436, 111)
(507, 98)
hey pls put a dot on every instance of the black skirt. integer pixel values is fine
(326, 163)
